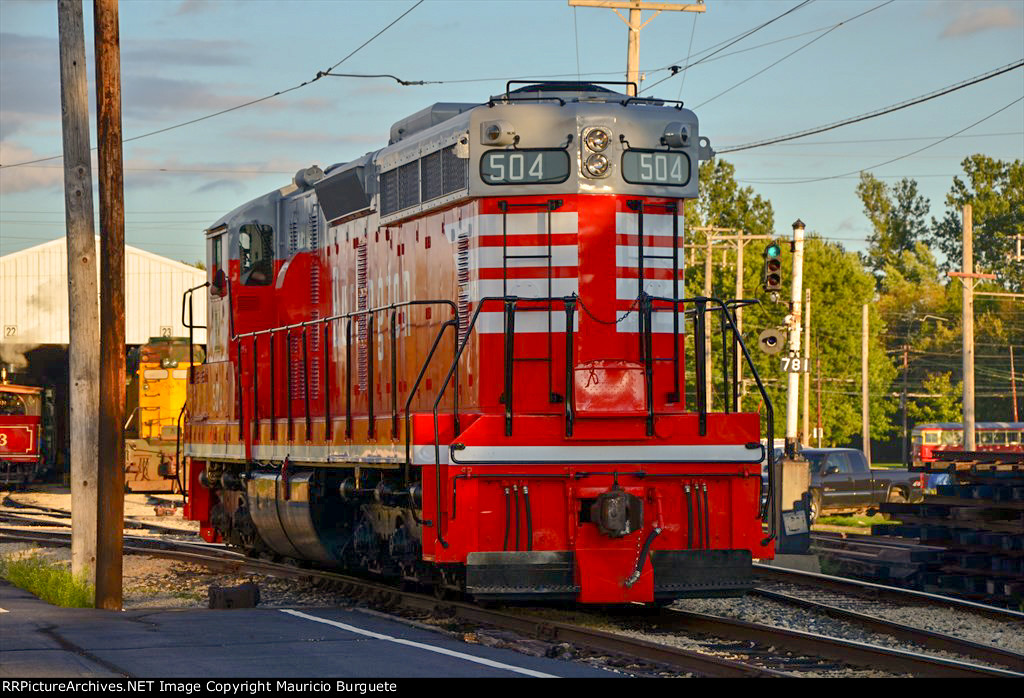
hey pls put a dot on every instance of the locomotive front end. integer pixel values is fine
(589, 471)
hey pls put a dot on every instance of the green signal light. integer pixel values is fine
(773, 250)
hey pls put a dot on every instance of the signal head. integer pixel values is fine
(771, 279)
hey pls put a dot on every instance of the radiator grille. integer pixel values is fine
(409, 184)
(456, 171)
(389, 192)
(431, 169)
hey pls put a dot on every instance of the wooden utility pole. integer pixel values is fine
(968, 279)
(110, 523)
(83, 305)
(1013, 385)
(865, 423)
(805, 366)
(904, 450)
(635, 24)
(817, 361)
(968, 334)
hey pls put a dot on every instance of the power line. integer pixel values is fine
(907, 155)
(674, 68)
(740, 37)
(240, 106)
(801, 48)
(689, 52)
(878, 112)
(890, 140)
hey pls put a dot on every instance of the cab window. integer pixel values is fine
(931, 437)
(256, 254)
(217, 265)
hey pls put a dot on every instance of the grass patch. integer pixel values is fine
(855, 521)
(50, 581)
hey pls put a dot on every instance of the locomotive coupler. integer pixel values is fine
(617, 513)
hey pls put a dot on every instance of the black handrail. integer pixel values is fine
(646, 309)
(775, 493)
(325, 323)
(189, 324)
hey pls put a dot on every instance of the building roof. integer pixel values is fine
(34, 295)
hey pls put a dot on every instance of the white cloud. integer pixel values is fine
(979, 19)
(45, 175)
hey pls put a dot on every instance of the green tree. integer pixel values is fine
(943, 404)
(995, 190)
(898, 216)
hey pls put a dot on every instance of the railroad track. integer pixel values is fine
(728, 647)
(29, 515)
(880, 592)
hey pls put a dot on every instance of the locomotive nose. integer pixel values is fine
(617, 513)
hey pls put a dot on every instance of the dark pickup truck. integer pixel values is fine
(842, 482)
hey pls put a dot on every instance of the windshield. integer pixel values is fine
(814, 459)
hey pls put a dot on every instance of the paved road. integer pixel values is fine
(38, 640)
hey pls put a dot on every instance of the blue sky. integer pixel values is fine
(184, 59)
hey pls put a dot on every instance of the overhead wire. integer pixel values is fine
(878, 112)
(904, 156)
(795, 51)
(740, 37)
(239, 106)
(689, 52)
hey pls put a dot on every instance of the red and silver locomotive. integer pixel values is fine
(460, 360)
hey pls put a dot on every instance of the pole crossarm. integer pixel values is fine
(640, 5)
(966, 279)
(635, 23)
(1000, 295)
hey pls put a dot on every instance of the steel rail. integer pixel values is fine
(901, 631)
(872, 590)
(548, 631)
(846, 651)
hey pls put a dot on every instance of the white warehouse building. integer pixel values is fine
(34, 296)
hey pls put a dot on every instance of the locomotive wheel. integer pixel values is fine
(441, 592)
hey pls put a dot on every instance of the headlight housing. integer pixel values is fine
(597, 139)
(597, 165)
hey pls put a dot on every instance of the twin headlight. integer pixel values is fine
(596, 165)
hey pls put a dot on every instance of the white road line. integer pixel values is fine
(423, 646)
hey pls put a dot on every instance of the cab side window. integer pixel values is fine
(256, 254)
(218, 285)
